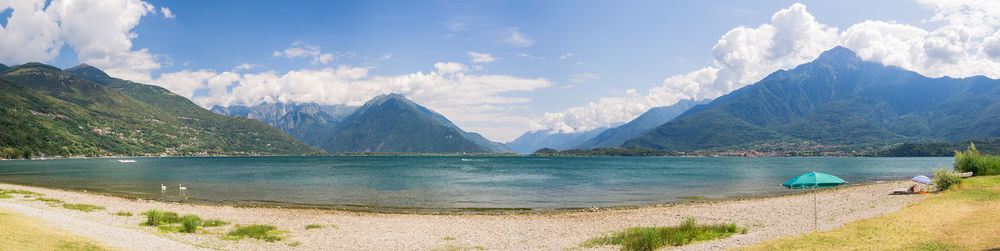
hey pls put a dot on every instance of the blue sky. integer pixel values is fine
(561, 65)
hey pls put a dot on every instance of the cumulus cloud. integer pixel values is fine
(965, 43)
(517, 39)
(167, 13)
(301, 49)
(568, 55)
(31, 33)
(481, 57)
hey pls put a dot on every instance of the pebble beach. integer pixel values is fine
(764, 217)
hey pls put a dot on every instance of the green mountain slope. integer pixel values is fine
(838, 99)
(53, 112)
(392, 123)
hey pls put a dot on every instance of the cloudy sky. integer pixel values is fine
(495, 67)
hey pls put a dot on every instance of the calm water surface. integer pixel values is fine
(449, 183)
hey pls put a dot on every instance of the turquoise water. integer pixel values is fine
(449, 183)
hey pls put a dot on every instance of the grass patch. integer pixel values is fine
(19, 232)
(17, 191)
(294, 244)
(651, 238)
(49, 200)
(314, 226)
(171, 228)
(260, 232)
(123, 213)
(963, 218)
(214, 223)
(5, 196)
(83, 207)
(449, 238)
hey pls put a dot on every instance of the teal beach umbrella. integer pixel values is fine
(813, 180)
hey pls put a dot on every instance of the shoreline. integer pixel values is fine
(448, 211)
(766, 217)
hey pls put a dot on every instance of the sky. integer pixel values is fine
(499, 68)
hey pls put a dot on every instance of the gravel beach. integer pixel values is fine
(765, 217)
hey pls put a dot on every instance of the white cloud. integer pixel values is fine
(246, 66)
(517, 39)
(167, 13)
(583, 77)
(568, 55)
(481, 57)
(386, 56)
(31, 33)
(530, 57)
(301, 49)
(109, 45)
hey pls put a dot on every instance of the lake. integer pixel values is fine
(449, 183)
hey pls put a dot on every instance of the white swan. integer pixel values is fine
(181, 187)
(162, 187)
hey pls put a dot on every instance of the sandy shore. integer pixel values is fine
(766, 218)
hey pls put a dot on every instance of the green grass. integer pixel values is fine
(214, 223)
(17, 191)
(123, 213)
(5, 196)
(294, 244)
(49, 200)
(260, 232)
(314, 226)
(83, 207)
(972, 160)
(190, 223)
(651, 238)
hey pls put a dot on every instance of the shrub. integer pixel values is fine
(943, 179)
(123, 213)
(154, 217)
(190, 223)
(170, 218)
(972, 160)
(260, 232)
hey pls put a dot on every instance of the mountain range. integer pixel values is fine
(837, 99)
(84, 112)
(309, 122)
(386, 123)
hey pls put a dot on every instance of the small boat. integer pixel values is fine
(126, 160)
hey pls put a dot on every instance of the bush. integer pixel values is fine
(190, 223)
(943, 179)
(972, 160)
(154, 217)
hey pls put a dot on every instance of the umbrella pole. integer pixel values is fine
(815, 211)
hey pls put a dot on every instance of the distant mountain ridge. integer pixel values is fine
(393, 123)
(309, 122)
(83, 111)
(640, 125)
(837, 99)
(531, 141)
